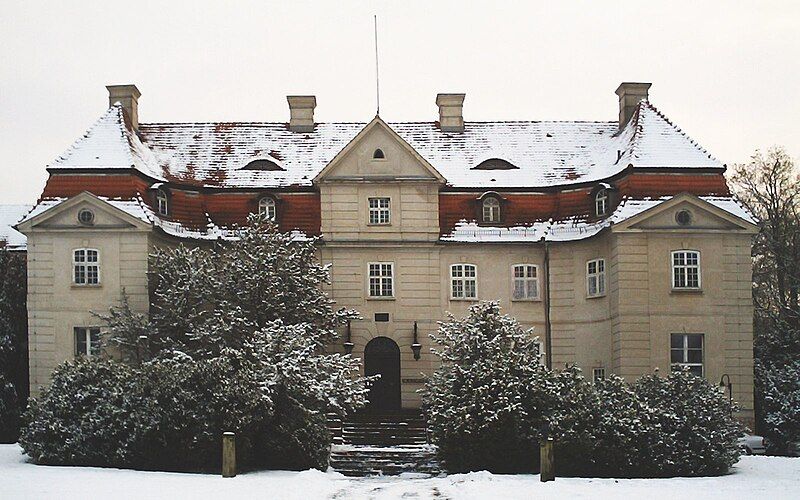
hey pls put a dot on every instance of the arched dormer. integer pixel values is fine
(603, 199)
(263, 164)
(268, 208)
(162, 199)
(490, 208)
(378, 154)
(495, 164)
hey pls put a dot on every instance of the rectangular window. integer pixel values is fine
(86, 266)
(87, 341)
(686, 349)
(598, 374)
(526, 282)
(463, 281)
(381, 279)
(596, 278)
(379, 212)
(686, 269)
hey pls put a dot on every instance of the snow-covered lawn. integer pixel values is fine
(754, 477)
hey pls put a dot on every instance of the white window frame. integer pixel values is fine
(379, 215)
(81, 267)
(268, 208)
(459, 283)
(598, 373)
(601, 202)
(683, 270)
(525, 280)
(684, 351)
(599, 277)
(380, 278)
(91, 347)
(490, 209)
(162, 202)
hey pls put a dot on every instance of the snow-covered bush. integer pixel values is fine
(488, 402)
(779, 389)
(9, 411)
(690, 424)
(86, 416)
(13, 342)
(235, 342)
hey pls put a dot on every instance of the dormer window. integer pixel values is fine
(378, 155)
(491, 209)
(601, 202)
(162, 202)
(267, 208)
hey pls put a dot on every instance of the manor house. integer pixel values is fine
(618, 241)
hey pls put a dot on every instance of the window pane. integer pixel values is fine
(80, 256)
(531, 271)
(676, 341)
(469, 288)
(469, 271)
(592, 267)
(519, 272)
(519, 289)
(532, 289)
(676, 356)
(696, 370)
(80, 341)
(456, 271)
(695, 341)
(592, 285)
(694, 356)
(601, 284)
(601, 265)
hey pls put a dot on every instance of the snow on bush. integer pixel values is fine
(779, 389)
(491, 401)
(235, 342)
(13, 342)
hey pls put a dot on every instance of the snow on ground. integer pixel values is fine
(753, 477)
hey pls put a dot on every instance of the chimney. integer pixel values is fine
(630, 93)
(451, 116)
(301, 109)
(128, 96)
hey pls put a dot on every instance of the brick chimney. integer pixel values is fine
(451, 116)
(128, 96)
(630, 93)
(301, 109)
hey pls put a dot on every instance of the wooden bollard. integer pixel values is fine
(228, 454)
(547, 468)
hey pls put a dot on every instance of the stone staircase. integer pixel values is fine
(369, 444)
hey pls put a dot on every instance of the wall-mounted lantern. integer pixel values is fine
(416, 346)
(729, 386)
(348, 344)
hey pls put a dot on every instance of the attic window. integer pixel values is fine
(378, 154)
(495, 164)
(264, 165)
(162, 202)
(601, 202)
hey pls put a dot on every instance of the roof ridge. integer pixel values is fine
(404, 122)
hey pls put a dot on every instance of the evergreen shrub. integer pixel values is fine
(491, 402)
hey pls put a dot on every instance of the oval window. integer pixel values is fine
(86, 217)
(683, 217)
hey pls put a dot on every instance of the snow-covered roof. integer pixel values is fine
(575, 228)
(10, 215)
(545, 153)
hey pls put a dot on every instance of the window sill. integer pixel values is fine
(681, 291)
(99, 285)
(527, 300)
(379, 224)
(599, 296)
(380, 298)
(463, 299)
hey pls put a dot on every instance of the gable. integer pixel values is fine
(64, 216)
(703, 216)
(396, 159)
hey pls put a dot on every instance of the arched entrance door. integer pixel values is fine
(382, 356)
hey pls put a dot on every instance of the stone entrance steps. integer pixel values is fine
(382, 444)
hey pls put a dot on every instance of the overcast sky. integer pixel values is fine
(728, 73)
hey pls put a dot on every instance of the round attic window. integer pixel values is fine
(86, 217)
(683, 217)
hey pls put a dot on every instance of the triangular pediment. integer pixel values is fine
(702, 216)
(378, 153)
(64, 216)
